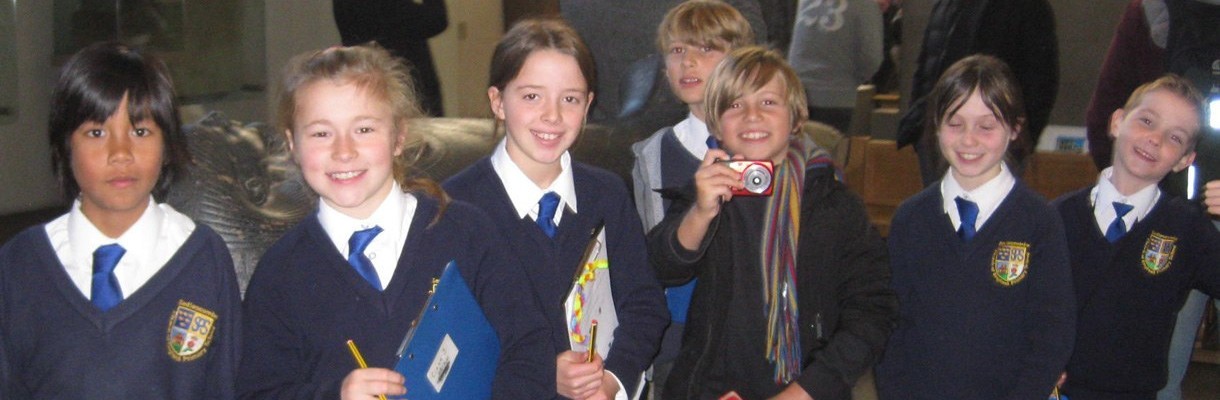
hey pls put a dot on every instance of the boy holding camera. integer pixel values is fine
(793, 298)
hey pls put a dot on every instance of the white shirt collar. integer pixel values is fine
(149, 244)
(988, 195)
(138, 240)
(524, 193)
(393, 215)
(1105, 194)
(692, 133)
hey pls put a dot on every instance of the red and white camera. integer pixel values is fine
(755, 175)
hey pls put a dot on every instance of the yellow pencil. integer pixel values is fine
(359, 359)
(592, 341)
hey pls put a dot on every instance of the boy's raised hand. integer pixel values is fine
(714, 184)
(1211, 197)
(364, 383)
(576, 378)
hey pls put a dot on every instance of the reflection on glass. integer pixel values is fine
(152, 23)
(204, 42)
(8, 63)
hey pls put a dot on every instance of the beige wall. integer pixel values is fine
(25, 174)
(463, 55)
(1082, 48)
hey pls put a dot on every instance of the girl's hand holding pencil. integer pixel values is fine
(364, 382)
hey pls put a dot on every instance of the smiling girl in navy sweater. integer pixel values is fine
(980, 261)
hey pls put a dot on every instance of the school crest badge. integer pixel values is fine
(1010, 263)
(190, 331)
(1158, 253)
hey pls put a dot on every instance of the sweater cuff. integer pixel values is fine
(682, 255)
(622, 390)
(822, 383)
(626, 380)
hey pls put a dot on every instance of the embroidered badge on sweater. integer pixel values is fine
(1158, 252)
(1010, 263)
(190, 331)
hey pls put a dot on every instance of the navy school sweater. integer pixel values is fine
(1128, 293)
(552, 263)
(305, 301)
(971, 327)
(176, 337)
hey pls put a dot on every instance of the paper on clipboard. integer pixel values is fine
(590, 299)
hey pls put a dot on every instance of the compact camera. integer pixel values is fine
(755, 174)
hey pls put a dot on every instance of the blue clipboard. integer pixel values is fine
(451, 350)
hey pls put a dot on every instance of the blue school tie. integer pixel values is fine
(105, 293)
(969, 211)
(712, 143)
(1118, 228)
(355, 255)
(546, 213)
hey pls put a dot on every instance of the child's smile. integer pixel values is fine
(343, 176)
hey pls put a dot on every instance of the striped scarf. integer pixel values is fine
(780, 228)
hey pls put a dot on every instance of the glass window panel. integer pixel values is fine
(210, 46)
(8, 63)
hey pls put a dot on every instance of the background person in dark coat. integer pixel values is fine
(403, 28)
(1019, 32)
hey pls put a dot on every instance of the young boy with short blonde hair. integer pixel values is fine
(1136, 252)
(693, 37)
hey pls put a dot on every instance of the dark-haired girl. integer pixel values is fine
(980, 261)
